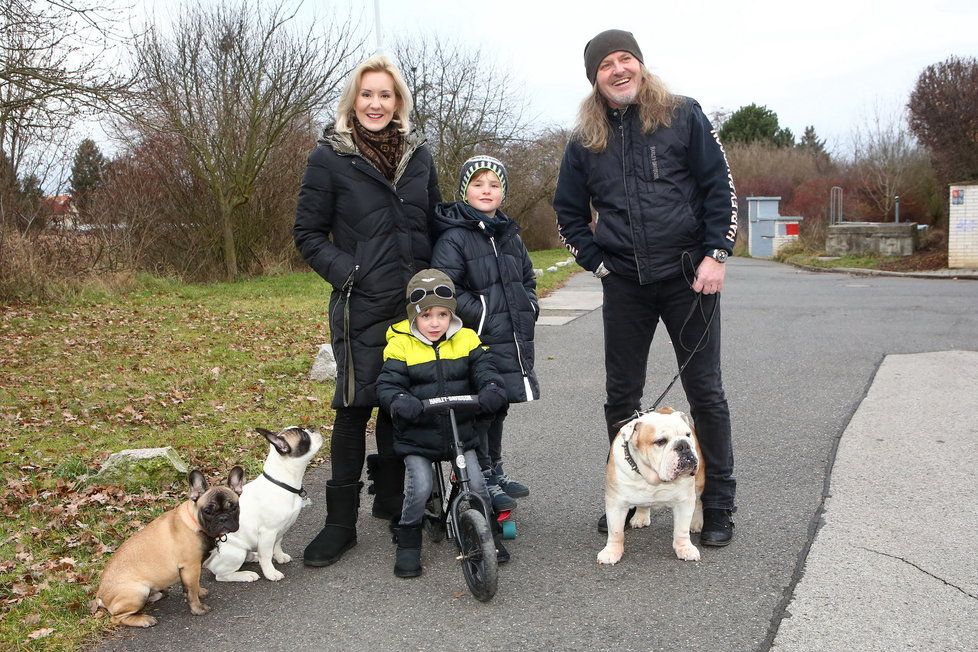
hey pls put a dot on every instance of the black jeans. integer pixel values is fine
(349, 441)
(490, 432)
(631, 314)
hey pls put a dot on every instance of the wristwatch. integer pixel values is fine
(719, 255)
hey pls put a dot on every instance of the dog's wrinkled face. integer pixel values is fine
(664, 440)
(217, 507)
(294, 442)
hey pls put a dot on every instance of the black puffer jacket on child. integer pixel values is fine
(495, 288)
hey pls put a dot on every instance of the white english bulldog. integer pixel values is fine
(654, 462)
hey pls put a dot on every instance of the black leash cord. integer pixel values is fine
(704, 338)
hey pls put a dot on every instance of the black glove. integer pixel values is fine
(492, 398)
(406, 407)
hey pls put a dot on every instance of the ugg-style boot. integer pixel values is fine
(407, 558)
(340, 532)
(386, 475)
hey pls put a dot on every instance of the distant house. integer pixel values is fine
(62, 211)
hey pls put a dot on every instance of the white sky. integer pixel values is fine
(827, 63)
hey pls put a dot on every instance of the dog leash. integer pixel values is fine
(700, 344)
(299, 492)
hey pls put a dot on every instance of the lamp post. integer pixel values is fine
(377, 30)
(896, 208)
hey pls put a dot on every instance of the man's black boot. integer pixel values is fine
(717, 527)
(340, 532)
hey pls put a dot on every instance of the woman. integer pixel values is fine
(363, 222)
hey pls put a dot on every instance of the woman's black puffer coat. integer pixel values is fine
(367, 237)
(495, 288)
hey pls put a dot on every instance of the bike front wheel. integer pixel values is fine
(478, 555)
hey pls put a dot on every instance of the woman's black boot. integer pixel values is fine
(340, 532)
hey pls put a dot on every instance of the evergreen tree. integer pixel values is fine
(753, 123)
(811, 141)
(86, 173)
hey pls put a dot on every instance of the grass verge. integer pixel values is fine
(195, 367)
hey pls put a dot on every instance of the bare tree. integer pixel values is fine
(533, 166)
(54, 66)
(464, 103)
(230, 84)
(943, 116)
(883, 154)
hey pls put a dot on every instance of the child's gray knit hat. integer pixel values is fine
(476, 163)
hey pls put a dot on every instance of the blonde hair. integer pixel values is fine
(655, 106)
(376, 63)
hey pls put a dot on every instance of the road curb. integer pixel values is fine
(964, 274)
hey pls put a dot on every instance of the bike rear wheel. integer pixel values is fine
(478, 555)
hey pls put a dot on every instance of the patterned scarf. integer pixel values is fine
(383, 148)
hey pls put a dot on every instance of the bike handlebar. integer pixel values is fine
(450, 402)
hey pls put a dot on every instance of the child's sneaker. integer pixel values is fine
(501, 501)
(511, 487)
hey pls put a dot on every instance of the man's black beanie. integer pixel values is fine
(612, 40)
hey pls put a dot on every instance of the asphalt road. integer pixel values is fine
(800, 351)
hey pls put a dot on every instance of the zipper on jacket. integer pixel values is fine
(516, 340)
(349, 392)
(628, 203)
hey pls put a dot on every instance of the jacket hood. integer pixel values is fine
(451, 215)
(404, 327)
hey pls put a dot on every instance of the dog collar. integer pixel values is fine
(628, 456)
(299, 492)
(188, 517)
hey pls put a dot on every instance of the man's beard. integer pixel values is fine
(625, 98)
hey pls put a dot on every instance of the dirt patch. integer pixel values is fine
(921, 261)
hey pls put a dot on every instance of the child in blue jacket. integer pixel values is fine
(480, 249)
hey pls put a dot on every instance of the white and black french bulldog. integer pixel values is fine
(270, 504)
(170, 548)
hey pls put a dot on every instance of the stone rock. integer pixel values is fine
(537, 271)
(552, 268)
(324, 367)
(563, 263)
(143, 468)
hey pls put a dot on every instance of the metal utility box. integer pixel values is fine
(962, 231)
(769, 230)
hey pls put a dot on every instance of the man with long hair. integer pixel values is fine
(651, 167)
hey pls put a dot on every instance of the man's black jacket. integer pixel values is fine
(656, 195)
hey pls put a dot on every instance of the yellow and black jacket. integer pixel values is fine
(456, 364)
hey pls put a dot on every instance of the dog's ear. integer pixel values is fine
(236, 480)
(645, 434)
(275, 440)
(689, 421)
(198, 484)
(627, 429)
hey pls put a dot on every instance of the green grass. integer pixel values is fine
(195, 367)
(550, 281)
(817, 260)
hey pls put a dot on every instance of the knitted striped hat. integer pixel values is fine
(476, 163)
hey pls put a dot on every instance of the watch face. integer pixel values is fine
(720, 255)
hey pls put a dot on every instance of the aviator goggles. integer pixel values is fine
(441, 291)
